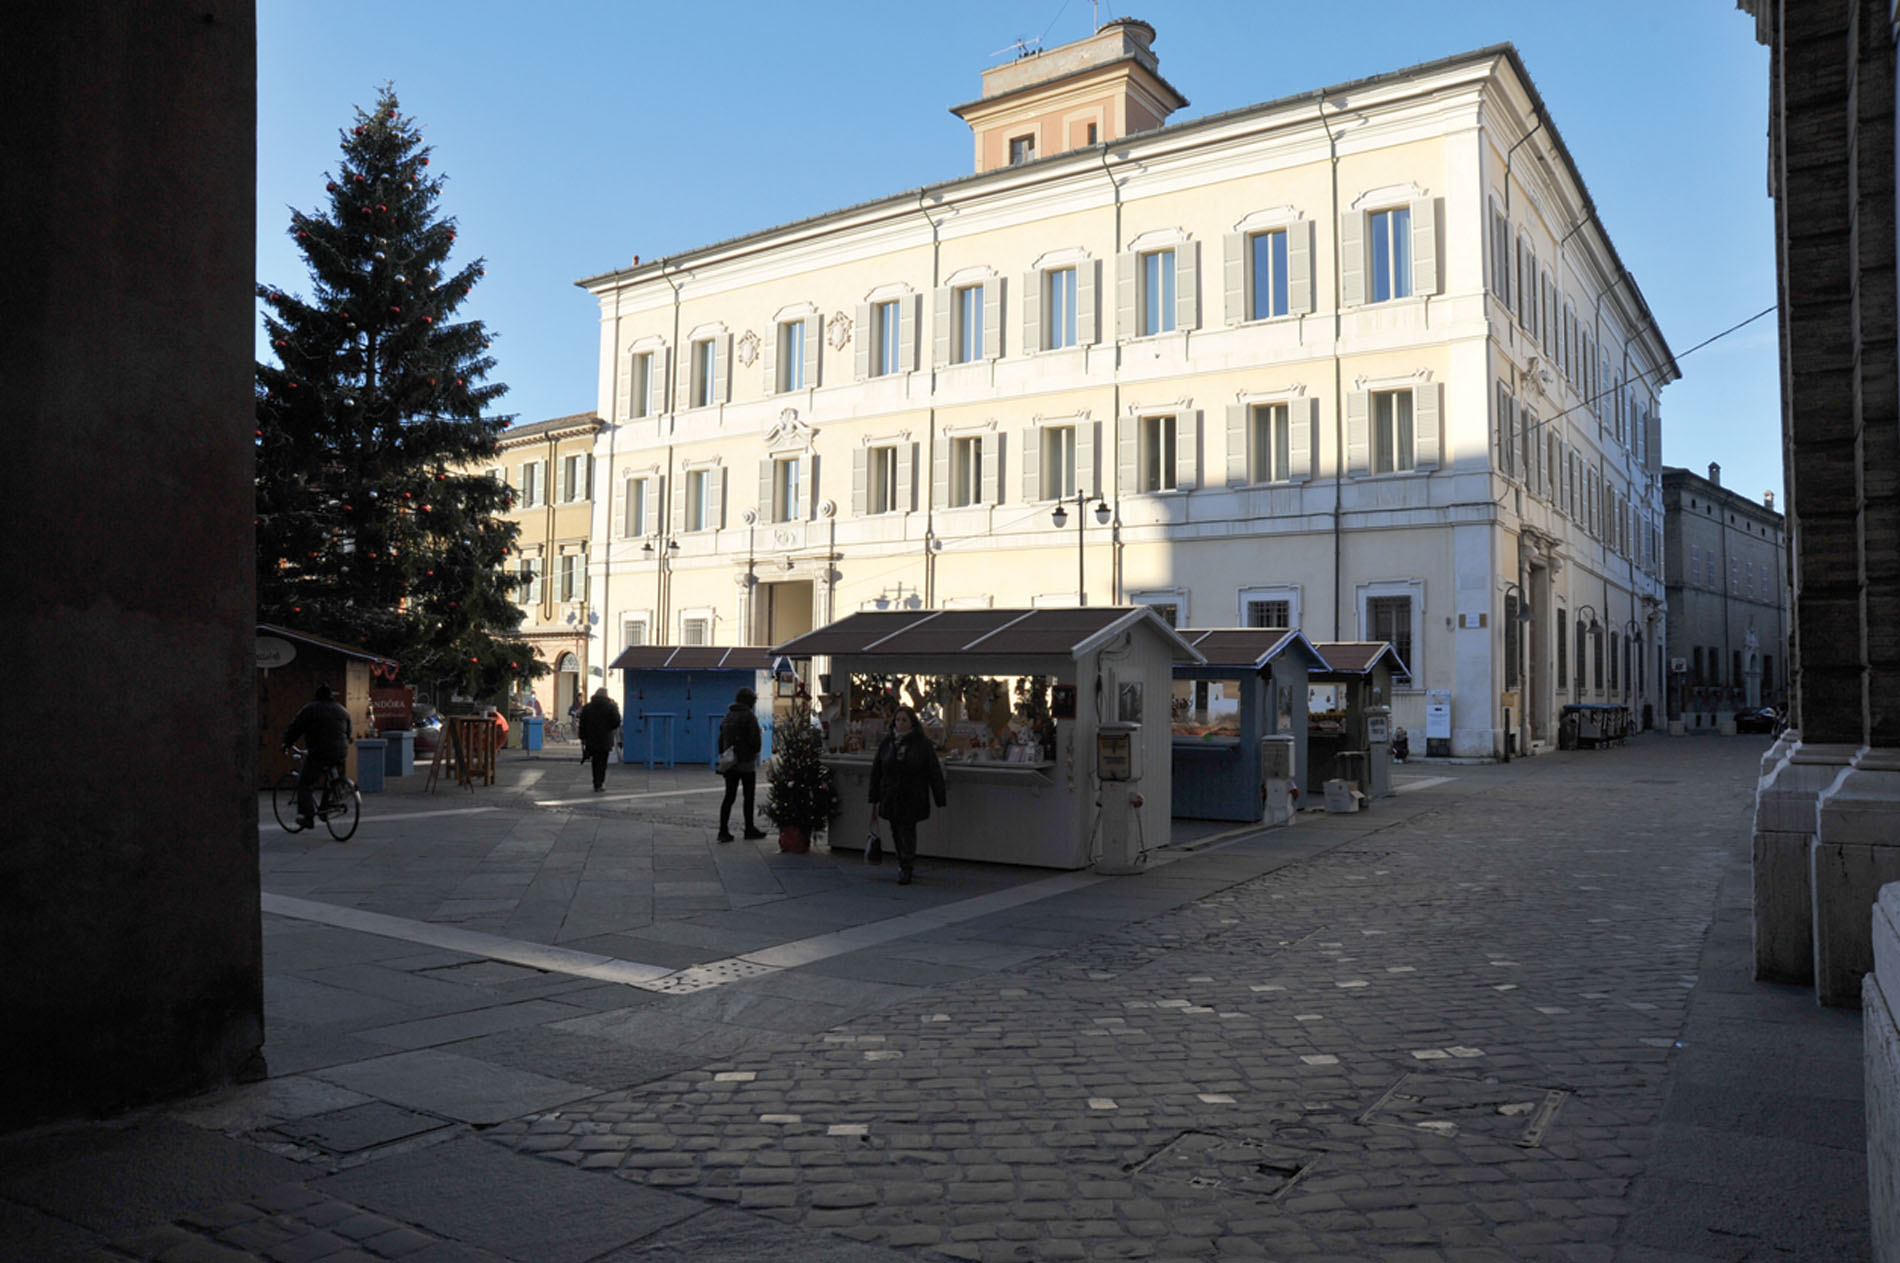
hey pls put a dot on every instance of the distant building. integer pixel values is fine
(1726, 560)
(1361, 361)
(550, 466)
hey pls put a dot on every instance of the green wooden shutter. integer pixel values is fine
(722, 369)
(560, 480)
(1085, 479)
(1085, 324)
(1238, 473)
(1187, 286)
(1234, 277)
(1425, 246)
(1299, 266)
(1425, 428)
(1352, 259)
(1127, 265)
(940, 473)
(860, 480)
(766, 513)
(1031, 461)
(1031, 303)
(676, 489)
(1302, 416)
(861, 343)
(1359, 433)
(993, 318)
(810, 471)
(623, 389)
(1127, 456)
(906, 461)
(1187, 450)
(715, 497)
(942, 303)
(992, 449)
(908, 309)
(814, 347)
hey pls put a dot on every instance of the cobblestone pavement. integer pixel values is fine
(1448, 1037)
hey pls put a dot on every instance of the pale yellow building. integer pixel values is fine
(1361, 361)
(549, 465)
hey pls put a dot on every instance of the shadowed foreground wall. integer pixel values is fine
(130, 953)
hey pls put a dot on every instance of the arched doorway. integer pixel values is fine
(567, 682)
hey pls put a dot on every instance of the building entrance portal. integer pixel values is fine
(784, 611)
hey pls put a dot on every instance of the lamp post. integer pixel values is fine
(669, 547)
(1632, 640)
(1060, 516)
(1587, 620)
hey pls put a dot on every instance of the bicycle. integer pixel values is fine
(338, 803)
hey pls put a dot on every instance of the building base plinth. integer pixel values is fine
(1856, 851)
(1784, 828)
(1880, 1058)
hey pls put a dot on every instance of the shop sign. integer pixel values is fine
(274, 652)
(392, 708)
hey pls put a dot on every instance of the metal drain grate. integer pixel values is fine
(1447, 1106)
(715, 973)
(1228, 1164)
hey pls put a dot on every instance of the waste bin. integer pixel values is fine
(531, 732)
(370, 752)
(400, 758)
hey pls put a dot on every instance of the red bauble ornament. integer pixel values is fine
(428, 320)
(397, 310)
(425, 162)
(471, 659)
(280, 342)
(381, 207)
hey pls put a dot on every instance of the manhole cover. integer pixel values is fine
(1204, 1160)
(1448, 1107)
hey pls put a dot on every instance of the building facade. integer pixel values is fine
(549, 465)
(1360, 361)
(1726, 562)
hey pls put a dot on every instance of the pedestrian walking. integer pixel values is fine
(905, 777)
(598, 722)
(739, 737)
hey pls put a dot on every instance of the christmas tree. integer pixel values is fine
(802, 795)
(370, 530)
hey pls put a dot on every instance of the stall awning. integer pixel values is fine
(1357, 657)
(691, 658)
(997, 633)
(1252, 648)
(379, 665)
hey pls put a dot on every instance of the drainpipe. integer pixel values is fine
(1339, 384)
(613, 440)
(1111, 459)
(930, 422)
(662, 585)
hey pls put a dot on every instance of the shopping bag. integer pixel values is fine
(873, 848)
(728, 758)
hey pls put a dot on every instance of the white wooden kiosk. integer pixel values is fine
(1119, 661)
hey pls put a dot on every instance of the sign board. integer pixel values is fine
(1438, 714)
(1378, 728)
(392, 708)
(274, 652)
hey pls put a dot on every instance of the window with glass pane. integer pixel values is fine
(1059, 309)
(1271, 441)
(699, 500)
(885, 339)
(1157, 453)
(1169, 612)
(966, 472)
(529, 591)
(703, 359)
(634, 521)
(569, 562)
(1391, 431)
(967, 305)
(1268, 268)
(693, 631)
(1391, 254)
(1022, 149)
(1157, 291)
(640, 385)
(881, 490)
(575, 474)
(1269, 613)
(791, 355)
(787, 503)
(1058, 462)
(1389, 618)
(633, 632)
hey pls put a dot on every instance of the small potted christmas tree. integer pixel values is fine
(801, 797)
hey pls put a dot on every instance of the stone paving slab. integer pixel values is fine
(453, 1086)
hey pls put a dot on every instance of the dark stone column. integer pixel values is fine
(129, 924)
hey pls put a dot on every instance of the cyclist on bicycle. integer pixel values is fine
(325, 728)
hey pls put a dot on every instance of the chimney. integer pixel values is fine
(1046, 102)
(1715, 473)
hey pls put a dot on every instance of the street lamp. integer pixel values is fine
(1060, 516)
(669, 547)
(1633, 654)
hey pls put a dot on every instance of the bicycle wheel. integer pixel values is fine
(283, 802)
(341, 809)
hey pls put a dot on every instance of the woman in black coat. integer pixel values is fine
(905, 777)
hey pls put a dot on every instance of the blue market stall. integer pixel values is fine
(673, 697)
(1226, 715)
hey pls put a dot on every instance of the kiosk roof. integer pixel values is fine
(1356, 657)
(1253, 647)
(691, 658)
(1002, 633)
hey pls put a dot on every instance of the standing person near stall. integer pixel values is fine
(598, 722)
(741, 738)
(905, 777)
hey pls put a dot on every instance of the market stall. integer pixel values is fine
(1349, 719)
(1226, 713)
(1036, 713)
(673, 698)
(290, 666)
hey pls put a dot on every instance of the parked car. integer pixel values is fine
(1766, 719)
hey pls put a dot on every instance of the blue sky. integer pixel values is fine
(577, 135)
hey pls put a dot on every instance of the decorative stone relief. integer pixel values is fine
(790, 434)
(748, 348)
(838, 330)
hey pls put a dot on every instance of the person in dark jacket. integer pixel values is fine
(739, 732)
(598, 722)
(905, 777)
(325, 728)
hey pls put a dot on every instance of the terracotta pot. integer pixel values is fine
(797, 841)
